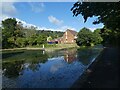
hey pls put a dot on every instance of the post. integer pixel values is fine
(43, 46)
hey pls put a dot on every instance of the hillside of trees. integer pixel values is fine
(14, 35)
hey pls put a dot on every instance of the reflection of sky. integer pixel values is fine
(55, 72)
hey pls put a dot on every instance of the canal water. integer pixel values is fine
(40, 69)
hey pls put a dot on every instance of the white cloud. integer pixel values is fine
(92, 29)
(54, 20)
(67, 27)
(8, 8)
(37, 7)
(25, 24)
(42, 0)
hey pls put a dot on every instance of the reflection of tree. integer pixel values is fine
(13, 66)
(12, 69)
(70, 55)
(10, 54)
(34, 67)
(35, 63)
(86, 54)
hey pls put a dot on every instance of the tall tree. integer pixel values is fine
(8, 28)
(84, 37)
(107, 13)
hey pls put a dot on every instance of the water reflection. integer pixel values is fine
(12, 69)
(86, 55)
(70, 55)
(13, 66)
(41, 69)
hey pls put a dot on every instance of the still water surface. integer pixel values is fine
(39, 69)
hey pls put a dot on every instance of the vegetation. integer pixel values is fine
(88, 38)
(107, 13)
(14, 35)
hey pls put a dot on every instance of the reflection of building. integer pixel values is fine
(70, 56)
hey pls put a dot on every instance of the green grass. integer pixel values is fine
(47, 47)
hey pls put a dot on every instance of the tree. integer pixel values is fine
(110, 37)
(11, 29)
(107, 13)
(21, 42)
(97, 36)
(84, 37)
(41, 39)
(14, 34)
(8, 28)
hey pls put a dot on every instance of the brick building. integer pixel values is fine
(68, 37)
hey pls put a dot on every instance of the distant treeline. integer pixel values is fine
(14, 35)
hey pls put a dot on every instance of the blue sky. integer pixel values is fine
(47, 15)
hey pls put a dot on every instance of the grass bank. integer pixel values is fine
(47, 47)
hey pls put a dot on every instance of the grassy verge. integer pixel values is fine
(47, 47)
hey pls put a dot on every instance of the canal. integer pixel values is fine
(40, 69)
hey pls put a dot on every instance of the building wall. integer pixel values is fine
(68, 37)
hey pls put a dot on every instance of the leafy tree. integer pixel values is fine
(97, 36)
(107, 13)
(84, 37)
(41, 39)
(21, 42)
(9, 26)
(10, 31)
(0, 37)
(110, 37)
(15, 35)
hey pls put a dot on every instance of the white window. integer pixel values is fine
(66, 33)
(66, 37)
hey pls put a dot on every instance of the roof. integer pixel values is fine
(72, 32)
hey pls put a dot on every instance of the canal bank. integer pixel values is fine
(103, 73)
(48, 48)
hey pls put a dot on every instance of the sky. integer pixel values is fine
(55, 16)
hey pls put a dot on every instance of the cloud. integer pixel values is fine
(25, 24)
(28, 25)
(41, 0)
(67, 27)
(37, 6)
(54, 20)
(8, 8)
(92, 29)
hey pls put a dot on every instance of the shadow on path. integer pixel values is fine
(105, 72)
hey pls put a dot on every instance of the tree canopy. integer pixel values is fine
(107, 13)
(88, 38)
(15, 35)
